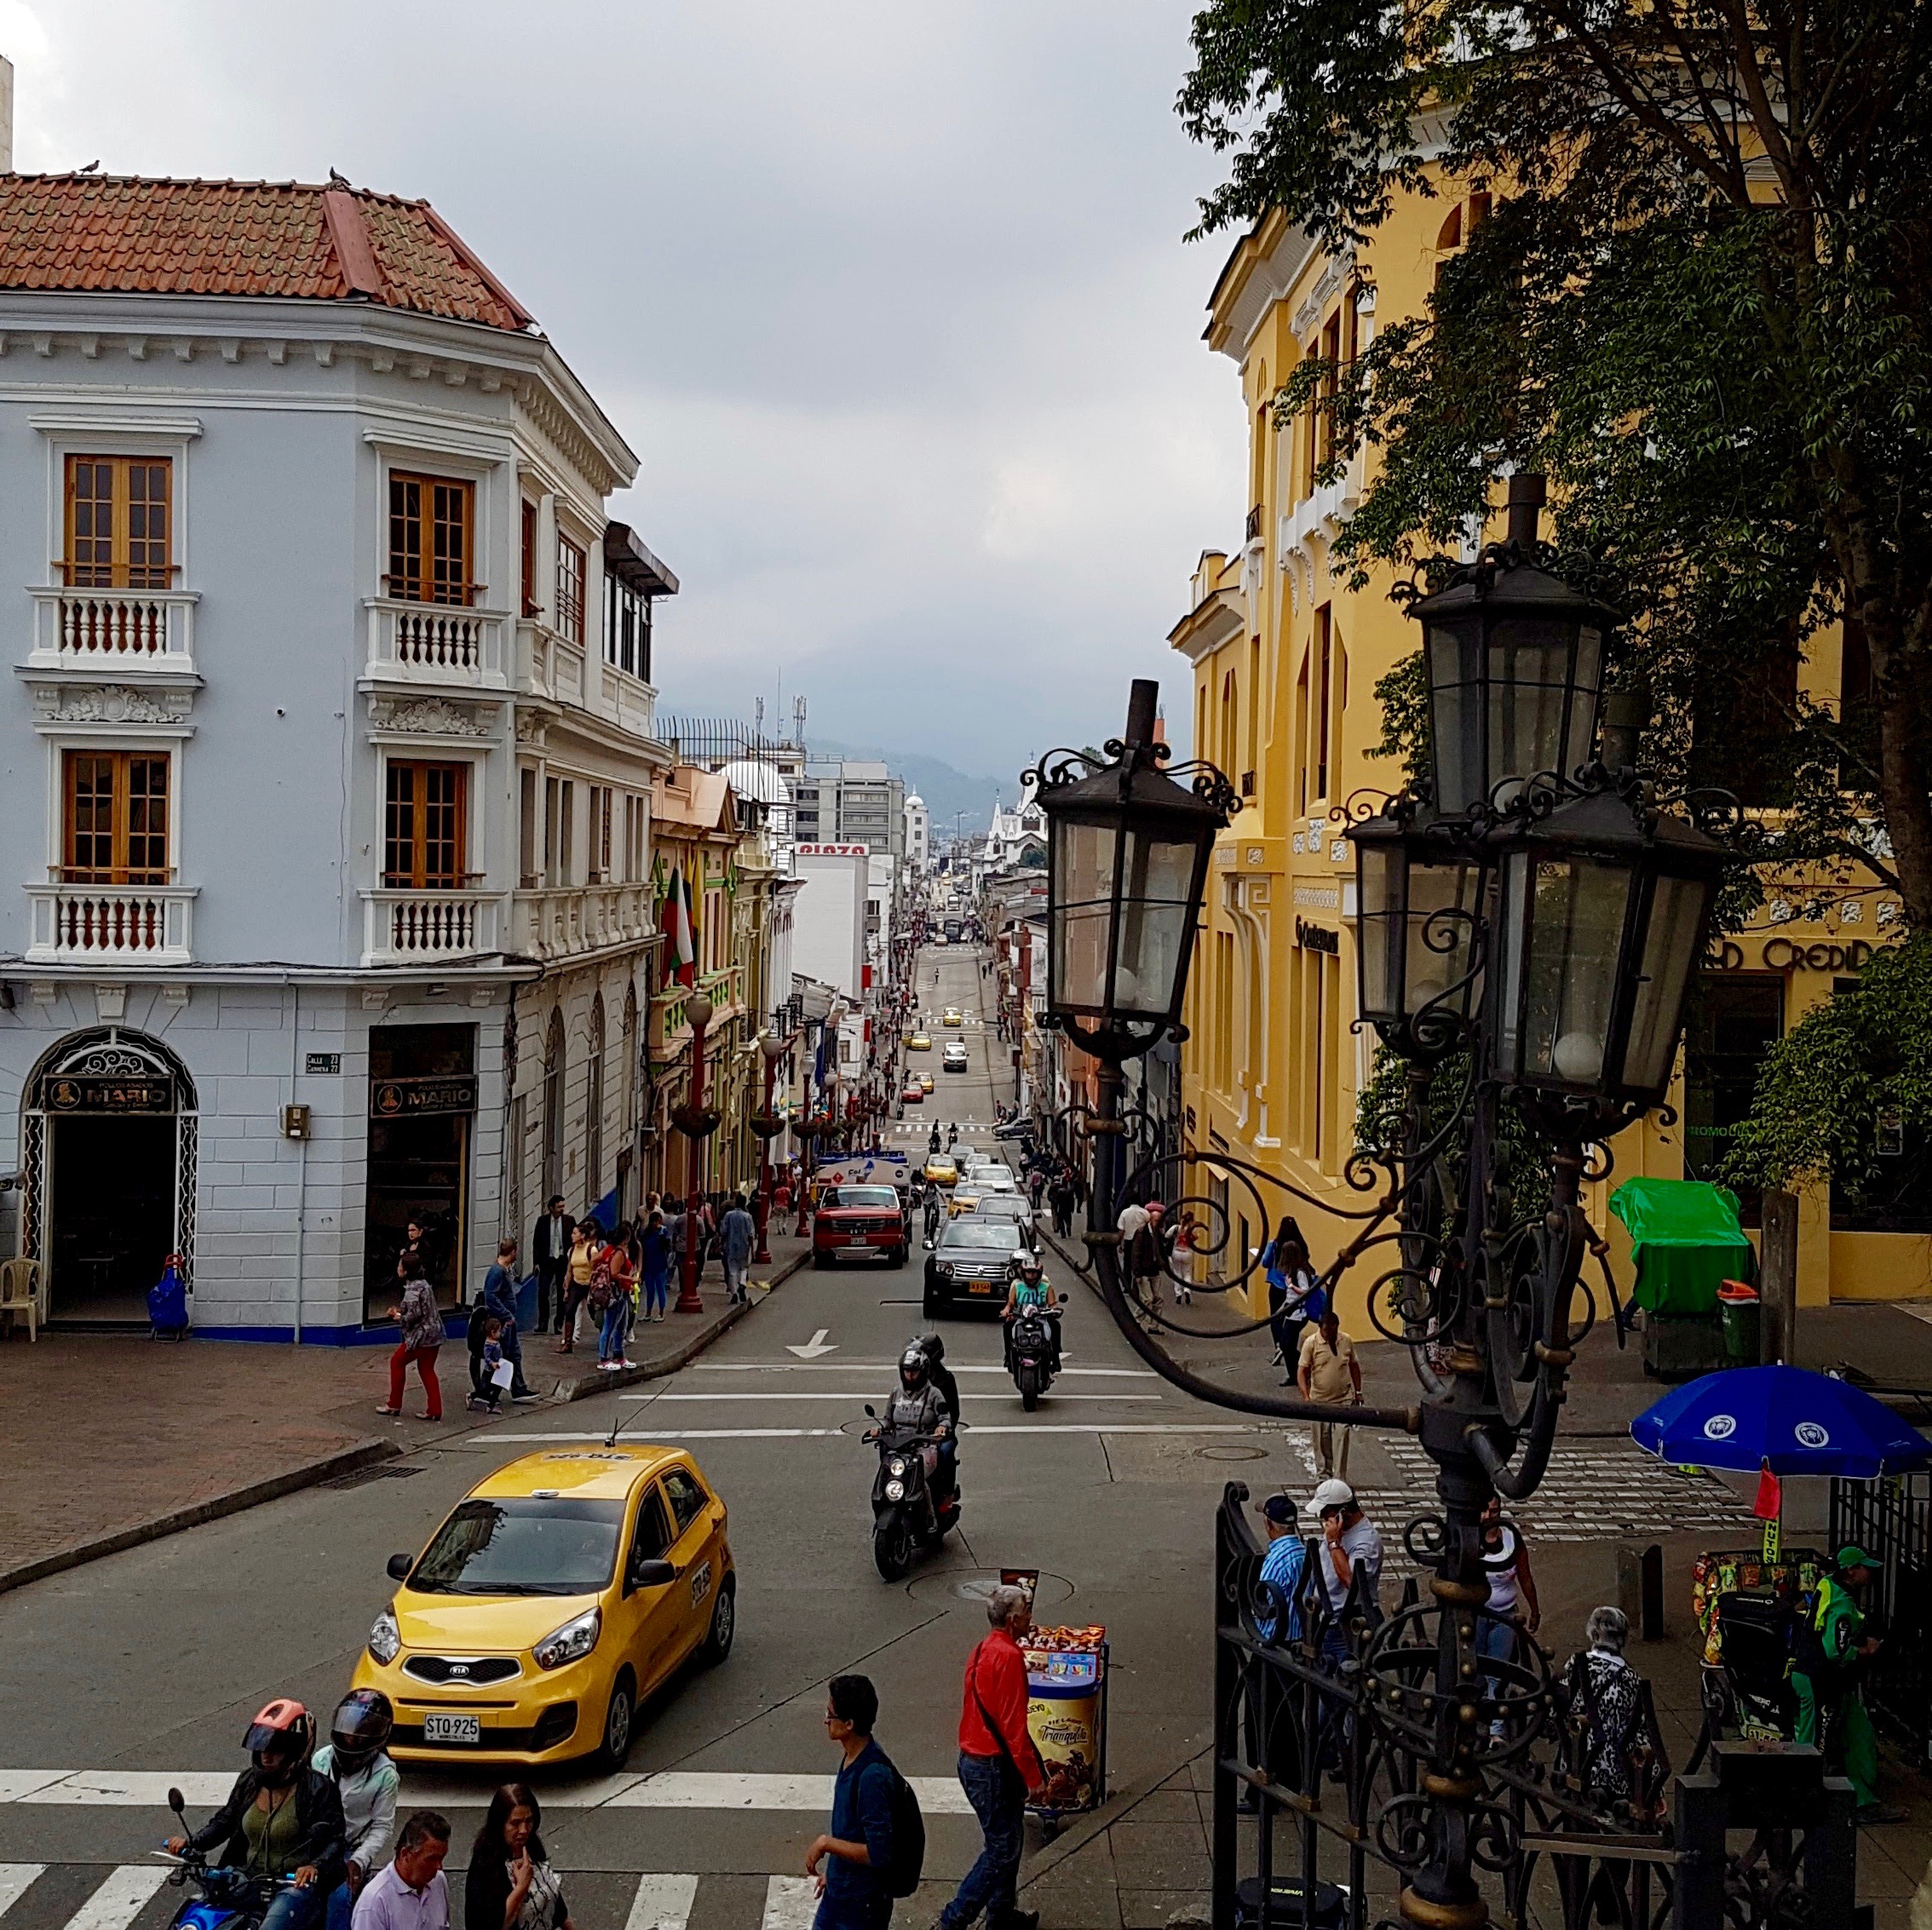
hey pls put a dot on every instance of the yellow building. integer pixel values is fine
(1285, 662)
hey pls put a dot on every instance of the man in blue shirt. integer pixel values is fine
(1287, 1556)
(852, 1861)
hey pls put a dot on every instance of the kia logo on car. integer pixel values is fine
(459, 1668)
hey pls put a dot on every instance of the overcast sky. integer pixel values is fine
(890, 298)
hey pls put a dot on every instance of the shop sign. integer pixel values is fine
(1788, 954)
(1317, 938)
(418, 1099)
(110, 1095)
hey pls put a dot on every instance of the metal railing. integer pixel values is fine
(1891, 1521)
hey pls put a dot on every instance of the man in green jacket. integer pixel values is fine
(1832, 1713)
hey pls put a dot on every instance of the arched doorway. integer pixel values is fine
(108, 1152)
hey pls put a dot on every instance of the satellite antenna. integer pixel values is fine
(758, 720)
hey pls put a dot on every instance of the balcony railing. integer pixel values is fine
(403, 927)
(112, 924)
(114, 630)
(438, 643)
(548, 666)
(666, 1025)
(580, 918)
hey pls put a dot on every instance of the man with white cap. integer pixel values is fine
(1350, 1545)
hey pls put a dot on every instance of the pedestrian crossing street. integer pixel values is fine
(137, 1896)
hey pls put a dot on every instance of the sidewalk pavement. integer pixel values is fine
(111, 1440)
(1601, 1493)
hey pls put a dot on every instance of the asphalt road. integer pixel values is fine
(144, 1667)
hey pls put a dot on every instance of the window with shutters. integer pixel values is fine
(422, 839)
(431, 545)
(118, 522)
(115, 814)
(569, 590)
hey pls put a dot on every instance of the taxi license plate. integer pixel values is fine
(452, 1728)
(978, 1286)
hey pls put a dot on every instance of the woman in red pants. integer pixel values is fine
(421, 1335)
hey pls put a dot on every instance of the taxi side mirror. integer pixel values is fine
(650, 1575)
(399, 1566)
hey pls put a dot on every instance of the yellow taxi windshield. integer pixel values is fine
(522, 1547)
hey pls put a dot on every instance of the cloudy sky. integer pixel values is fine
(889, 294)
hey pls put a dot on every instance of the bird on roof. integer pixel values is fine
(90, 168)
(337, 179)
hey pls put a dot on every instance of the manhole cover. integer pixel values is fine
(975, 1584)
(1230, 1450)
(361, 1476)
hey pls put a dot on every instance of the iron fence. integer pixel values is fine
(1890, 1520)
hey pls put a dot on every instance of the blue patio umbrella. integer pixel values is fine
(1787, 1419)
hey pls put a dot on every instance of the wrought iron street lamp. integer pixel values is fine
(697, 1122)
(1418, 898)
(1515, 660)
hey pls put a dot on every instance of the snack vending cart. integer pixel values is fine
(1066, 1672)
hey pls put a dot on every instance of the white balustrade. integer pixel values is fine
(402, 928)
(558, 923)
(114, 628)
(435, 643)
(112, 924)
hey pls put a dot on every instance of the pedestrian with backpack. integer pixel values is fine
(877, 1845)
(998, 1768)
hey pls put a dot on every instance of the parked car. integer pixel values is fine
(854, 1221)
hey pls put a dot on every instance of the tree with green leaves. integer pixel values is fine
(1700, 305)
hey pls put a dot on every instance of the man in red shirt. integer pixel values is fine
(998, 1768)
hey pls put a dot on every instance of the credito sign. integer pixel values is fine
(1787, 955)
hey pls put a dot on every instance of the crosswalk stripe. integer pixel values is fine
(662, 1903)
(669, 1789)
(15, 1878)
(892, 1367)
(118, 1901)
(706, 1399)
(790, 1903)
(481, 1443)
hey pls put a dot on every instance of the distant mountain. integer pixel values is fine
(946, 788)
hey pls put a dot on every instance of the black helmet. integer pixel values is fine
(913, 1369)
(932, 1348)
(360, 1730)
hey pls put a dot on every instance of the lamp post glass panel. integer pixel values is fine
(1419, 902)
(1600, 925)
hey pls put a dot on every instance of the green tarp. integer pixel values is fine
(1687, 1240)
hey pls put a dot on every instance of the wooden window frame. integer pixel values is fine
(425, 578)
(528, 559)
(420, 838)
(570, 594)
(120, 831)
(120, 567)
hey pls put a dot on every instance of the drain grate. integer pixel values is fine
(361, 1476)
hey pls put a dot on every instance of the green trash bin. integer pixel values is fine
(1741, 1309)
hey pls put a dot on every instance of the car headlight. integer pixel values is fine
(895, 1467)
(571, 1642)
(385, 1639)
(945, 1270)
(895, 1490)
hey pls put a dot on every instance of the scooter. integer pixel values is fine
(905, 1514)
(1032, 1351)
(229, 1899)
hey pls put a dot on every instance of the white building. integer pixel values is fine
(918, 834)
(327, 753)
(828, 941)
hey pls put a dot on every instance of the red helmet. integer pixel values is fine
(283, 1729)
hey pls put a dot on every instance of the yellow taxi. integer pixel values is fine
(953, 1016)
(919, 1042)
(926, 1082)
(559, 1594)
(941, 1169)
(962, 1202)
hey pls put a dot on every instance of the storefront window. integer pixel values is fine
(422, 1104)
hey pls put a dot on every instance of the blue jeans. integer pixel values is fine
(872, 1912)
(294, 1910)
(610, 1344)
(1000, 1803)
(654, 1293)
(342, 1907)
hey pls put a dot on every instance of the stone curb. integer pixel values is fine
(345, 1461)
(686, 1351)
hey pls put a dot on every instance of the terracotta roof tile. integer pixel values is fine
(243, 238)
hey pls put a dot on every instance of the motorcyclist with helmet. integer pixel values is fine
(356, 1760)
(1029, 1290)
(916, 1406)
(283, 1818)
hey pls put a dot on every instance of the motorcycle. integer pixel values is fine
(229, 1899)
(1033, 1352)
(905, 1514)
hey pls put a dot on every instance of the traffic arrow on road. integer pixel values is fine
(814, 1347)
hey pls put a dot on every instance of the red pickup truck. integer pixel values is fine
(854, 1220)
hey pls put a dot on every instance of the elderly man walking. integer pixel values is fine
(998, 1768)
(738, 1239)
(1329, 1375)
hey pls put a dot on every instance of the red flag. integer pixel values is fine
(1770, 1503)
